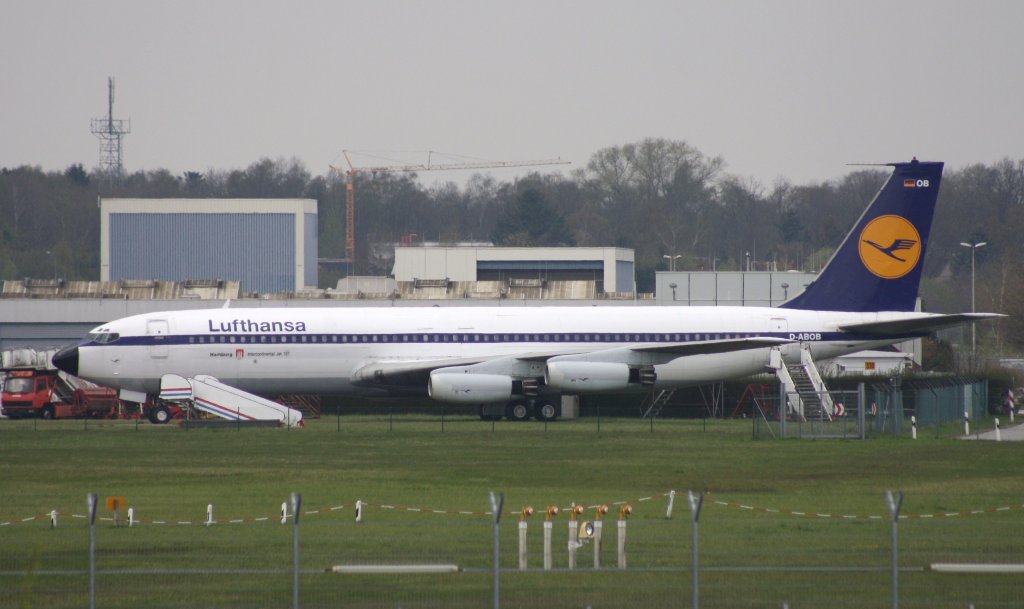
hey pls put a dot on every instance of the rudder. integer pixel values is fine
(878, 266)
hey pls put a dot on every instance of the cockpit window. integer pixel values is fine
(103, 337)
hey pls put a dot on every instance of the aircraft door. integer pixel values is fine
(157, 330)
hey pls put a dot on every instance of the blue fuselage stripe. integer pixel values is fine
(604, 338)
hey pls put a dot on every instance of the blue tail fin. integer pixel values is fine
(878, 266)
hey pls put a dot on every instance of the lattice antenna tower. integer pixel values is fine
(111, 131)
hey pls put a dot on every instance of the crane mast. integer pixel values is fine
(353, 171)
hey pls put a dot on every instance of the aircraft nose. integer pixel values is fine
(67, 360)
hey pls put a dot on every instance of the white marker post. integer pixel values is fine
(525, 513)
(671, 501)
(624, 511)
(53, 519)
(574, 544)
(359, 510)
(598, 525)
(550, 513)
(967, 424)
(999, 436)
(131, 516)
(209, 514)
(284, 512)
(913, 427)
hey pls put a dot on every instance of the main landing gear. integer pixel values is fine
(521, 409)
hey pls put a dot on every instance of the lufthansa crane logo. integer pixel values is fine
(890, 246)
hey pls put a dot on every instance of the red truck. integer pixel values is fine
(35, 392)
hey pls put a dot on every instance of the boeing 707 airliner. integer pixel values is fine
(517, 361)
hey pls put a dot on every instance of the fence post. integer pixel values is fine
(497, 501)
(91, 502)
(696, 502)
(895, 502)
(296, 507)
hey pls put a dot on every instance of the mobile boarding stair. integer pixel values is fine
(208, 394)
(803, 387)
(651, 406)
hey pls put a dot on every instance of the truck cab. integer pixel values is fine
(32, 393)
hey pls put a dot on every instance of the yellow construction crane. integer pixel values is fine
(352, 171)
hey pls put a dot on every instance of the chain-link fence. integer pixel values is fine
(889, 407)
(666, 550)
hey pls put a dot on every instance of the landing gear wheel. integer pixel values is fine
(159, 415)
(518, 410)
(545, 410)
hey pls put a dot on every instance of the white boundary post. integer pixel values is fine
(671, 501)
(549, 513)
(913, 427)
(598, 525)
(522, 544)
(967, 424)
(999, 436)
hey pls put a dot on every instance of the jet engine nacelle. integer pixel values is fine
(576, 377)
(461, 388)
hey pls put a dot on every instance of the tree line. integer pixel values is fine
(659, 197)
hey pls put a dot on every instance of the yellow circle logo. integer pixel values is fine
(889, 246)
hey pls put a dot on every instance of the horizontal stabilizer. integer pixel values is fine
(916, 325)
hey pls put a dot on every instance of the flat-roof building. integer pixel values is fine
(611, 268)
(267, 245)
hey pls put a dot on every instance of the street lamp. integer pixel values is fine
(785, 291)
(974, 332)
(672, 261)
(673, 286)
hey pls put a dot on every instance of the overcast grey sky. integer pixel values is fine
(792, 89)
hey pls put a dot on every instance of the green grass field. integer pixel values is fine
(749, 557)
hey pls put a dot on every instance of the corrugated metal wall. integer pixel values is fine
(311, 243)
(258, 250)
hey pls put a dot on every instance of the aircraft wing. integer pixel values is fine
(415, 373)
(916, 325)
(708, 347)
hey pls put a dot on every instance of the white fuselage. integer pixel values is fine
(284, 351)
